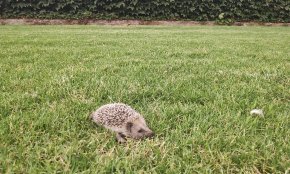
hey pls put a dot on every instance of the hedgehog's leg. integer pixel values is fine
(120, 137)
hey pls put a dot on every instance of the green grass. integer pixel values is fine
(194, 85)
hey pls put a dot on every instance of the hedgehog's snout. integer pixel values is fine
(150, 134)
(91, 116)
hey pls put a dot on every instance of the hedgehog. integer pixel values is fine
(123, 120)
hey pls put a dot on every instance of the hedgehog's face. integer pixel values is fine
(138, 130)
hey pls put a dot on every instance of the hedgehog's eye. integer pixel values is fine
(141, 130)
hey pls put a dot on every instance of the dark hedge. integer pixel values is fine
(197, 10)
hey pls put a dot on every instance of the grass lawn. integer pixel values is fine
(195, 87)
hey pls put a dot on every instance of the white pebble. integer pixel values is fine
(257, 112)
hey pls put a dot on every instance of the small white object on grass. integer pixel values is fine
(257, 112)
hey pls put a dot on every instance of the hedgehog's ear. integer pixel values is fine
(129, 126)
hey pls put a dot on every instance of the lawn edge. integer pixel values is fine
(127, 22)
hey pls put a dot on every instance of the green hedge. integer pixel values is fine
(198, 10)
